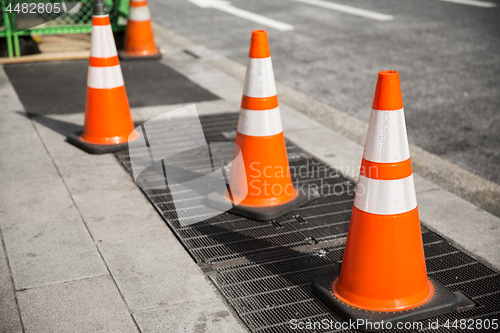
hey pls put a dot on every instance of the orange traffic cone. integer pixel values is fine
(383, 278)
(262, 184)
(139, 39)
(108, 122)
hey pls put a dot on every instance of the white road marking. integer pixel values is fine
(226, 6)
(348, 10)
(472, 3)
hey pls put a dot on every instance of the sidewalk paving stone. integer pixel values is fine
(472, 228)
(9, 316)
(47, 253)
(423, 185)
(97, 177)
(116, 215)
(53, 131)
(89, 305)
(18, 129)
(155, 271)
(203, 108)
(2, 252)
(210, 315)
(35, 200)
(26, 161)
(293, 120)
(22, 154)
(337, 151)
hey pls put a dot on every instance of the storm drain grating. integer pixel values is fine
(228, 236)
(267, 294)
(265, 269)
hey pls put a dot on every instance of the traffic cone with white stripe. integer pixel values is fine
(108, 122)
(139, 39)
(383, 278)
(262, 184)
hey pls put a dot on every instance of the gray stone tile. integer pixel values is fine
(330, 147)
(2, 252)
(95, 177)
(214, 107)
(114, 215)
(47, 253)
(209, 315)
(35, 200)
(155, 271)
(469, 226)
(9, 316)
(90, 305)
(25, 161)
(58, 126)
(18, 129)
(22, 155)
(65, 154)
(53, 131)
(203, 108)
(293, 120)
(423, 185)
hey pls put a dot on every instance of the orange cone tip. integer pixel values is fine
(388, 92)
(259, 45)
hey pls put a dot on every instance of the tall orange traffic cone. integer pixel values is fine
(108, 122)
(262, 184)
(383, 278)
(139, 39)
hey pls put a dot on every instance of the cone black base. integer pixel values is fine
(74, 139)
(124, 56)
(216, 200)
(444, 301)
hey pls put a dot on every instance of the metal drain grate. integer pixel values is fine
(267, 294)
(265, 270)
(227, 236)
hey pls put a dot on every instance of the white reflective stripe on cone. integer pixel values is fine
(102, 42)
(387, 141)
(105, 77)
(259, 79)
(139, 14)
(260, 123)
(385, 197)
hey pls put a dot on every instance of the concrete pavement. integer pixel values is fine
(84, 251)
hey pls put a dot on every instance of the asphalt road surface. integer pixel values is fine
(447, 53)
